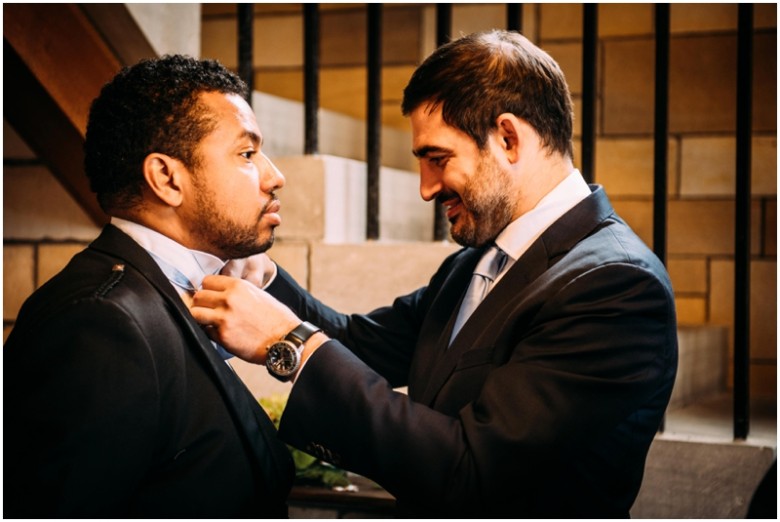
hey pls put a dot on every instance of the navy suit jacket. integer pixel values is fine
(544, 405)
(117, 405)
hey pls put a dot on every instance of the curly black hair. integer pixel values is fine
(149, 107)
(480, 76)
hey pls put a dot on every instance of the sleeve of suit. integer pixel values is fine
(394, 327)
(75, 447)
(590, 356)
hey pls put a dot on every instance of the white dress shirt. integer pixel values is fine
(194, 265)
(523, 231)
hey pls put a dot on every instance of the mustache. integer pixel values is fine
(273, 200)
(446, 196)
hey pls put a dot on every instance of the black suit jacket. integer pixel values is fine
(117, 405)
(544, 405)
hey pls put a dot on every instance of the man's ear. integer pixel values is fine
(510, 134)
(164, 176)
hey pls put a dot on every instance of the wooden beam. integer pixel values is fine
(55, 64)
(63, 51)
(120, 31)
(48, 131)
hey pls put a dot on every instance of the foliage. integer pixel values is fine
(308, 470)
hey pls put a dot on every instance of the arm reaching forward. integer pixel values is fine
(244, 319)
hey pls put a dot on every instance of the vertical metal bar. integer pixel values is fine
(661, 136)
(245, 42)
(374, 117)
(443, 23)
(443, 30)
(590, 30)
(742, 232)
(514, 17)
(660, 162)
(311, 77)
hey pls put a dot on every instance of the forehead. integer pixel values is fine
(430, 130)
(231, 112)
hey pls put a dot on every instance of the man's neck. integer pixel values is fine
(193, 263)
(165, 223)
(539, 179)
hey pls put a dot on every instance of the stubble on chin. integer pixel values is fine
(473, 235)
(234, 241)
(488, 207)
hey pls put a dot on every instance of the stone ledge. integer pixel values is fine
(700, 480)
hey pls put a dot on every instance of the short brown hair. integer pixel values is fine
(480, 76)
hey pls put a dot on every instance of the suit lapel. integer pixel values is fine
(558, 239)
(434, 359)
(272, 455)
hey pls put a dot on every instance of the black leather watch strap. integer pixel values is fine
(302, 332)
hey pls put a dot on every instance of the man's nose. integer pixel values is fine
(430, 183)
(273, 179)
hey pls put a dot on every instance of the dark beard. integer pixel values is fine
(226, 238)
(487, 214)
(236, 243)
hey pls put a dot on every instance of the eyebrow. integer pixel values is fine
(429, 149)
(254, 137)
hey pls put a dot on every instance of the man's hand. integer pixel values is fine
(257, 269)
(241, 317)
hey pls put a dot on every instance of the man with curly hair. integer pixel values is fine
(131, 410)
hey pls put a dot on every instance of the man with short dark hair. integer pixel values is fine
(539, 359)
(116, 403)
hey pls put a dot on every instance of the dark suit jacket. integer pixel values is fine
(544, 405)
(117, 405)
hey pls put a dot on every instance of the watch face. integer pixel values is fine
(283, 358)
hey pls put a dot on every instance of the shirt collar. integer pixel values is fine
(523, 231)
(194, 264)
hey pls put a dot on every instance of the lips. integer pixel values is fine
(271, 211)
(273, 207)
(453, 207)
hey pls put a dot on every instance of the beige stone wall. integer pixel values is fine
(42, 225)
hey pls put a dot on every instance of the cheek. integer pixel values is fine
(244, 184)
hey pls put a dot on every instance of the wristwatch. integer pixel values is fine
(284, 357)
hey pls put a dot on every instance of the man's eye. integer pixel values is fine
(248, 154)
(437, 161)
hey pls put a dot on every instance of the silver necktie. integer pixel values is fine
(488, 268)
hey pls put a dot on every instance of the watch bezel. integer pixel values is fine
(293, 343)
(275, 364)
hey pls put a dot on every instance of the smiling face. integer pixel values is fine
(471, 184)
(233, 211)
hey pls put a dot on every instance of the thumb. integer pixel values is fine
(217, 282)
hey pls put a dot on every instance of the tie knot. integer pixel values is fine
(492, 263)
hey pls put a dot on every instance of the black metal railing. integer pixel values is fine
(590, 39)
(373, 118)
(588, 140)
(661, 130)
(311, 77)
(661, 137)
(514, 17)
(443, 31)
(742, 223)
(246, 71)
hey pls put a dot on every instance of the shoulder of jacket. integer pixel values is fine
(113, 278)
